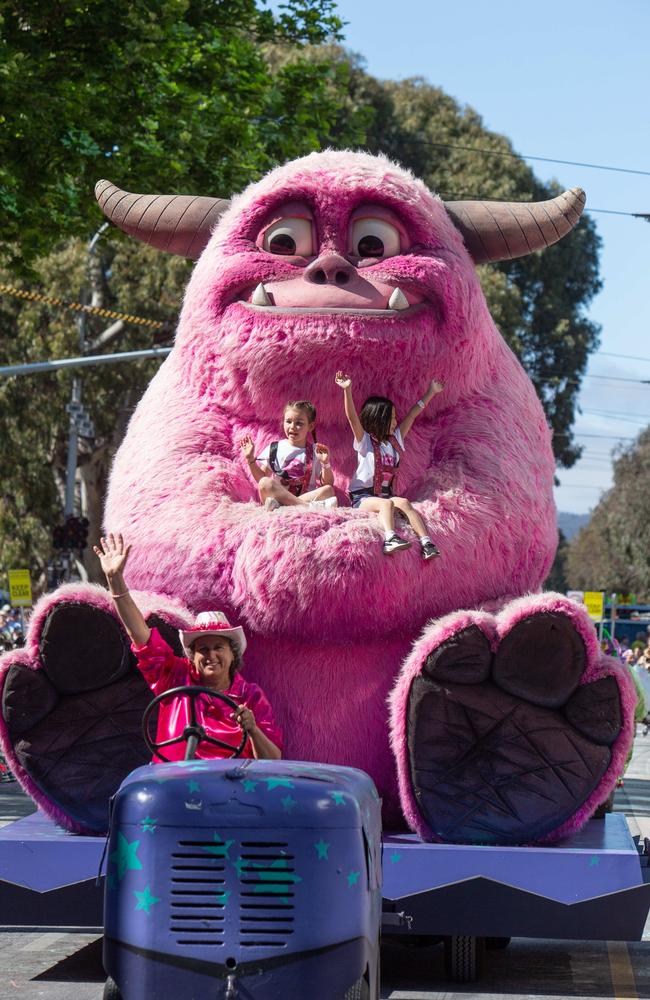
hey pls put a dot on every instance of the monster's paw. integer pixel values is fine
(512, 728)
(72, 703)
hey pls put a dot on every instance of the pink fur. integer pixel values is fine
(300, 578)
(328, 616)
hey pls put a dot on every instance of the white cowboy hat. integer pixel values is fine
(212, 623)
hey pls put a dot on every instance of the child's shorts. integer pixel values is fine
(358, 495)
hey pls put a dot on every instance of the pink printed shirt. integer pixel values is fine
(163, 670)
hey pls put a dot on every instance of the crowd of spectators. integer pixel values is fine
(11, 629)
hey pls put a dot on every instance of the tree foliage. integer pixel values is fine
(613, 551)
(169, 95)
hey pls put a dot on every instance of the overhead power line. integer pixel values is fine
(523, 156)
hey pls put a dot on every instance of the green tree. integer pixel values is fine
(169, 95)
(613, 551)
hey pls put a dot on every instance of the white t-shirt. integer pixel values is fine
(292, 461)
(364, 477)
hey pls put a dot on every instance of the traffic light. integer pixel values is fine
(76, 531)
(71, 535)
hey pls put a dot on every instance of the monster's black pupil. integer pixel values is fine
(282, 243)
(371, 246)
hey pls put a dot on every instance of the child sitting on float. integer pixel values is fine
(296, 465)
(379, 442)
(214, 651)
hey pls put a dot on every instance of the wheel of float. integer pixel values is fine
(111, 990)
(463, 957)
(497, 943)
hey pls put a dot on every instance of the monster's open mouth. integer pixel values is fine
(372, 301)
(330, 310)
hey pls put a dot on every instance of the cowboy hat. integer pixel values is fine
(212, 623)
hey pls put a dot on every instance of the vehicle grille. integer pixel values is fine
(214, 883)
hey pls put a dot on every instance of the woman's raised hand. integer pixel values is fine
(112, 555)
(343, 380)
(248, 448)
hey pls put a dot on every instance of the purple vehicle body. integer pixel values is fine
(244, 879)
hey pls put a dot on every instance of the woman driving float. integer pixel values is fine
(214, 650)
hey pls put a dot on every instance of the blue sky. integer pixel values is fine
(568, 81)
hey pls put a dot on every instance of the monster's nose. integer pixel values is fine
(330, 269)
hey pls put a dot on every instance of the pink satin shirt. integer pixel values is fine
(163, 670)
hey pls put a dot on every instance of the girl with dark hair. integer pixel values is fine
(379, 443)
(288, 472)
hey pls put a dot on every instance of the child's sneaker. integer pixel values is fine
(271, 504)
(429, 551)
(328, 503)
(394, 544)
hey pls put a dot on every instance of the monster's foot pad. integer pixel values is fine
(505, 746)
(74, 716)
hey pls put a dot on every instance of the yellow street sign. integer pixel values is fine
(20, 588)
(595, 604)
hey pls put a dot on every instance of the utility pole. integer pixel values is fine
(79, 419)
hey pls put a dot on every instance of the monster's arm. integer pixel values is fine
(345, 382)
(417, 409)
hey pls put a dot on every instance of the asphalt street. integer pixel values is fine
(55, 964)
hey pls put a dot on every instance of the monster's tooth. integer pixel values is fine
(260, 296)
(398, 300)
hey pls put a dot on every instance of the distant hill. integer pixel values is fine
(570, 524)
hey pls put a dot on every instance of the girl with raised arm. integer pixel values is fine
(297, 471)
(379, 443)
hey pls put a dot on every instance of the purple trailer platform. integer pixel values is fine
(590, 886)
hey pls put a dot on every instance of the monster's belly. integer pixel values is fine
(330, 700)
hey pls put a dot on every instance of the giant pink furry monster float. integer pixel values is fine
(506, 724)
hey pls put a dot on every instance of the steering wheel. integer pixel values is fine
(195, 732)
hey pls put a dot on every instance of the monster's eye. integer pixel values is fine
(290, 237)
(374, 238)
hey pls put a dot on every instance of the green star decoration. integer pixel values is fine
(145, 900)
(353, 878)
(220, 848)
(322, 848)
(193, 786)
(594, 860)
(272, 783)
(276, 881)
(249, 785)
(223, 897)
(126, 856)
(288, 803)
(339, 798)
(395, 857)
(148, 824)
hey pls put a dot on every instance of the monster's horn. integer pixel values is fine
(502, 230)
(176, 223)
